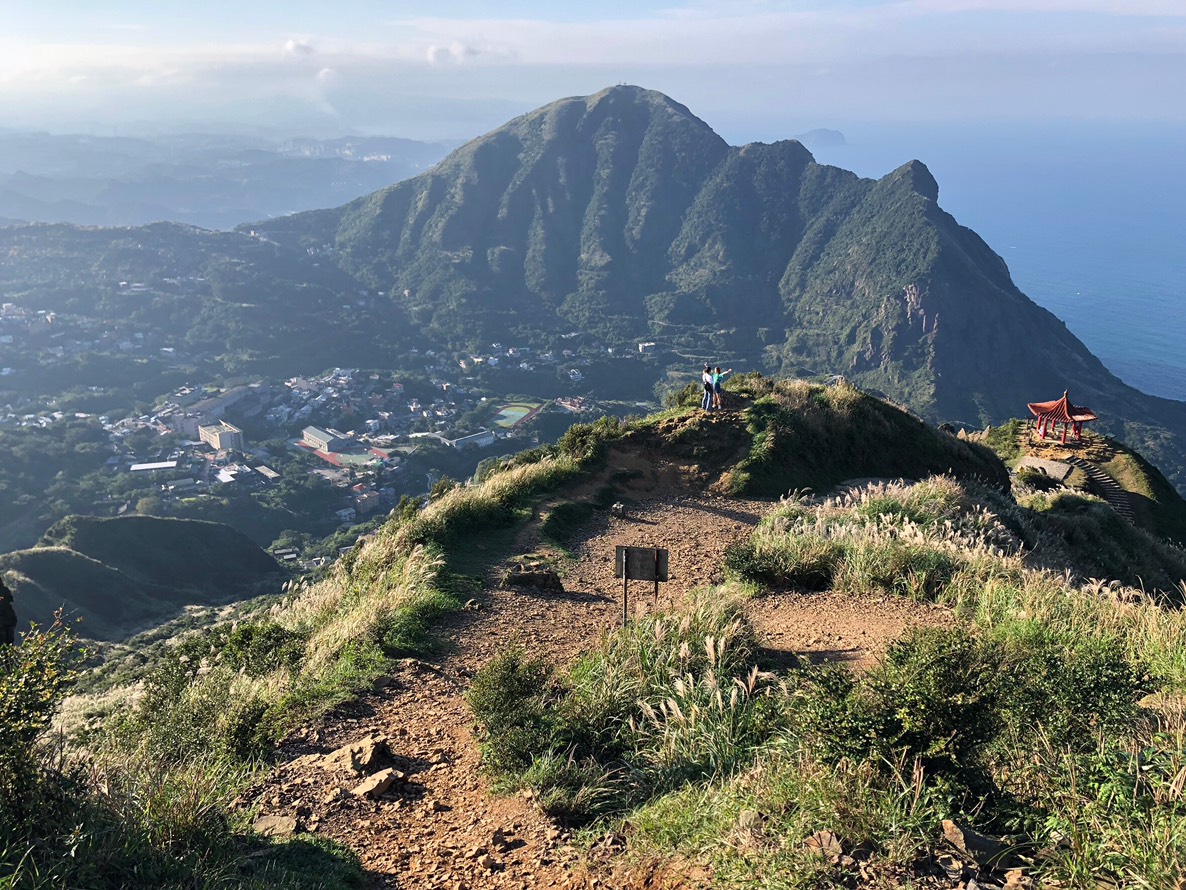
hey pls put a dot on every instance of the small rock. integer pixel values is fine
(982, 849)
(824, 844)
(487, 862)
(499, 841)
(374, 786)
(952, 868)
(276, 826)
(361, 756)
(435, 806)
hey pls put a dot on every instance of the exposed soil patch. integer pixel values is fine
(827, 626)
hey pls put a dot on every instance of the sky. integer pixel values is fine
(754, 69)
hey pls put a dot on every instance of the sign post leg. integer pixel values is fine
(656, 579)
(625, 601)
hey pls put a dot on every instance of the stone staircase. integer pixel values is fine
(1105, 486)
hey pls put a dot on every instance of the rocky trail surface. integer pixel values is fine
(396, 775)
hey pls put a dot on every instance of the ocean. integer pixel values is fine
(1091, 221)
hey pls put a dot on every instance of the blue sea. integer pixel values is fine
(1091, 221)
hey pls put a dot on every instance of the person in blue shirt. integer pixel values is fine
(706, 400)
(718, 378)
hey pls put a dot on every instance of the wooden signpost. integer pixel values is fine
(639, 564)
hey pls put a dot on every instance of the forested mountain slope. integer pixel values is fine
(625, 215)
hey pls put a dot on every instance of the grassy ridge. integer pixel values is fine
(672, 707)
(150, 803)
(810, 436)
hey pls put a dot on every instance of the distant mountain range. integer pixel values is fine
(206, 180)
(624, 216)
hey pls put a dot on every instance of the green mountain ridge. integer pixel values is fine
(625, 215)
(120, 574)
(622, 216)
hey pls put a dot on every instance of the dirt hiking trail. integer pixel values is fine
(439, 824)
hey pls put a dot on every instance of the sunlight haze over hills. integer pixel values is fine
(454, 70)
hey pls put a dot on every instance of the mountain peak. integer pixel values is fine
(916, 175)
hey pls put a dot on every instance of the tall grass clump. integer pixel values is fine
(107, 818)
(887, 537)
(669, 699)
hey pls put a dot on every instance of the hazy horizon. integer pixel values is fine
(758, 69)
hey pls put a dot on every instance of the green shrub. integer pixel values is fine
(941, 690)
(935, 697)
(508, 698)
(586, 442)
(565, 520)
(1037, 480)
(803, 560)
(1074, 689)
(260, 647)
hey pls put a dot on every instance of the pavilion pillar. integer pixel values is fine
(1064, 432)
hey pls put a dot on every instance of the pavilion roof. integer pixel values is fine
(1062, 411)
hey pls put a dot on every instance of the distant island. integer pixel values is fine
(822, 138)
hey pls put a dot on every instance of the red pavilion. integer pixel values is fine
(1048, 415)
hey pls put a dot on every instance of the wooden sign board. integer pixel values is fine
(640, 564)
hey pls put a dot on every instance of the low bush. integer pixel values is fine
(668, 699)
(34, 677)
(1037, 480)
(509, 698)
(565, 520)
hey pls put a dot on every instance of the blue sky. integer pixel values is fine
(755, 69)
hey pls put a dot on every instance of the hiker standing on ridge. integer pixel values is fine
(718, 378)
(7, 616)
(706, 380)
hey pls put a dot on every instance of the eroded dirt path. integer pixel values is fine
(441, 825)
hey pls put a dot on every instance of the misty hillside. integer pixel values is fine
(207, 180)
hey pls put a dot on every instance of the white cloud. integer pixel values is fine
(298, 47)
(735, 53)
(454, 54)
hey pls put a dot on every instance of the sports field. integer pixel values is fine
(516, 413)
